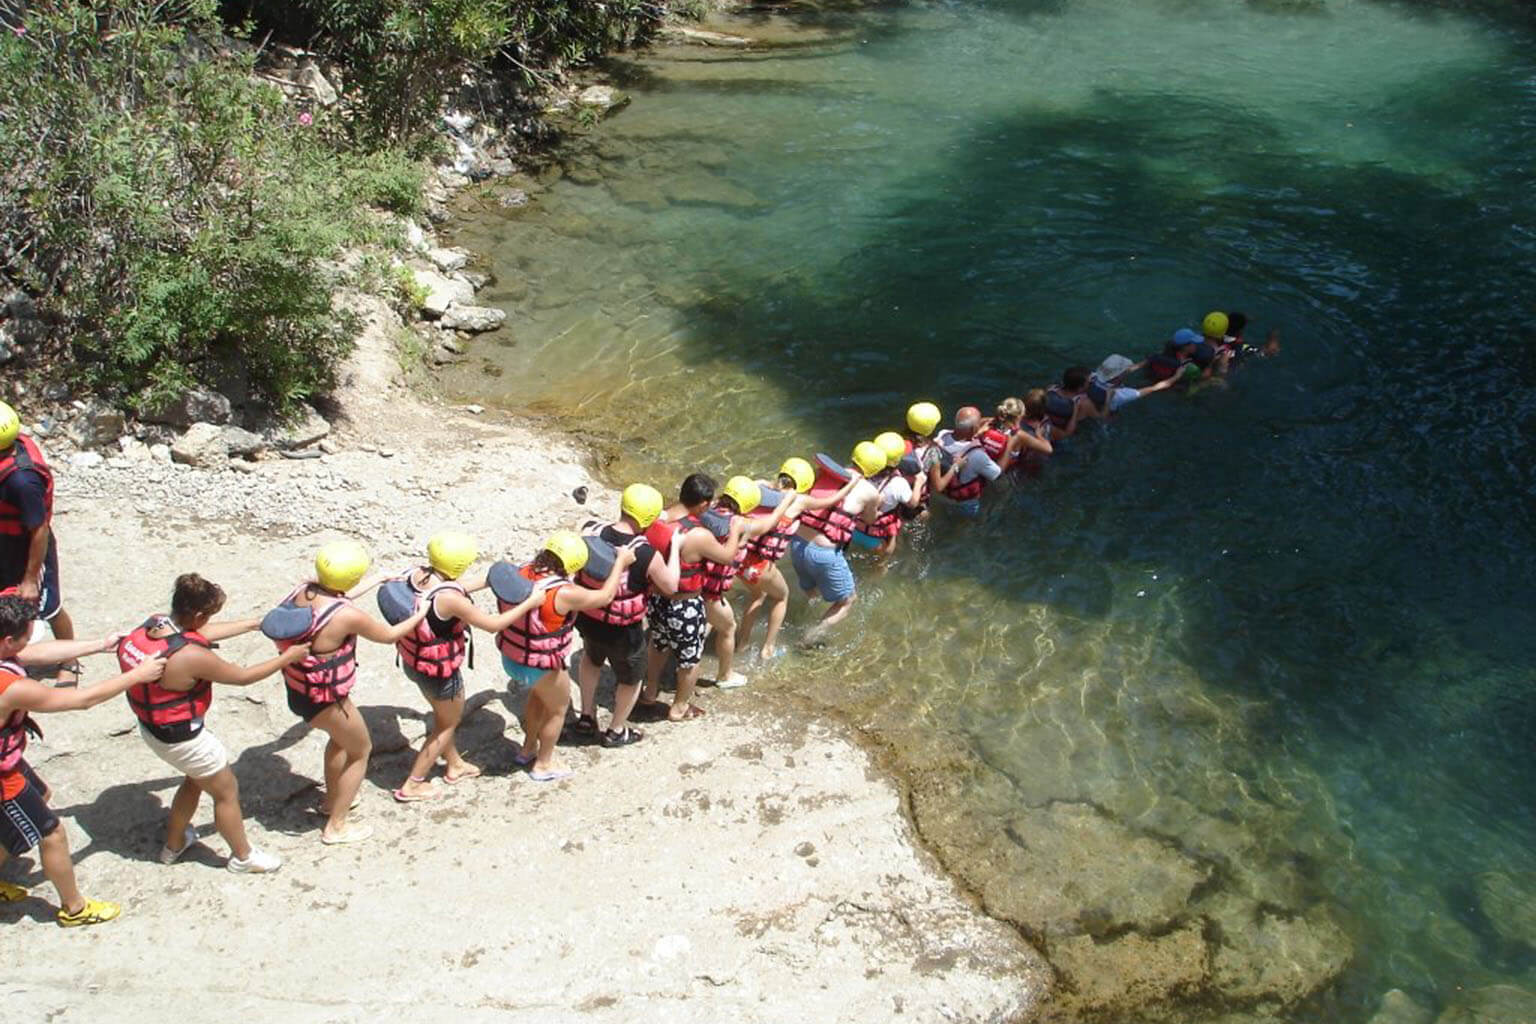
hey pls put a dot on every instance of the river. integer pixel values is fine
(1247, 668)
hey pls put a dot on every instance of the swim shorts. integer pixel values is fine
(434, 688)
(822, 569)
(26, 818)
(305, 708)
(677, 625)
(199, 757)
(865, 542)
(48, 602)
(523, 675)
(623, 647)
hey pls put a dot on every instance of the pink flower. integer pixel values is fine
(20, 30)
(305, 119)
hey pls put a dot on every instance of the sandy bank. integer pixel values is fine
(744, 867)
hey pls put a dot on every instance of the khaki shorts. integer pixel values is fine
(199, 757)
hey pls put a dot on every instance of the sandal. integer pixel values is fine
(12, 893)
(401, 796)
(649, 710)
(470, 772)
(352, 834)
(94, 912)
(552, 776)
(522, 760)
(72, 670)
(586, 725)
(622, 739)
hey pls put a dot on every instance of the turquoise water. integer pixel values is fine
(1280, 625)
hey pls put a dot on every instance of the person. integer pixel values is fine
(760, 573)
(26, 820)
(1067, 403)
(1175, 356)
(319, 684)
(1107, 393)
(816, 550)
(1234, 349)
(614, 634)
(971, 469)
(996, 431)
(1034, 435)
(677, 620)
(922, 420)
(535, 647)
(433, 654)
(1213, 338)
(29, 554)
(171, 713)
(737, 501)
(900, 497)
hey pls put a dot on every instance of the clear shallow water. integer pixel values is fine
(1282, 624)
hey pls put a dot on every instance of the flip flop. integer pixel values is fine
(523, 760)
(401, 796)
(555, 776)
(355, 834)
(11, 893)
(470, 772)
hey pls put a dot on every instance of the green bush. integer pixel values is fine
(169, 207)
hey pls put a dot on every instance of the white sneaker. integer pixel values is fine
(258, 863)
(170, 856)
(733, 681)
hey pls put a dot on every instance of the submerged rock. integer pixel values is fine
(1397, 1008)
(1497, 1004)
(1509, 902)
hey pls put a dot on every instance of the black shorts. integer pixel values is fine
(623, 647)
(26, 818)
(302, 706)
(47, 584)
(434, 688)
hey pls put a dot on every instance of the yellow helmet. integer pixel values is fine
(892, 444)
(869, 457)
(1214, 325)
(923, 417)
(800, 471)
(743, 490)
(570, 548)
(340, 565)
(642, 503)
(451, 552)
(10, 425)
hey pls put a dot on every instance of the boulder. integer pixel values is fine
(202, 446)
(97, 424)
(241, 443)
(1397, 1008)
(303, 432)
(442, 292)
(1509, 903)
(198, 405)
(603, 97)
(1497, 1004)
(85, 460)
(415, 237)
(475, 319)
(448, 260)
(133, 449)
(312, 81)
(160, 452)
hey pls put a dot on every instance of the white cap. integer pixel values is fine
(1112, 367)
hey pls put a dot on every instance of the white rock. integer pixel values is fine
(442, 292)
(303, 433)
(202, 446)
(415, 237)
(85, 460)
(448, 260)
(463, 317)
(604, 96)
(160, 452)
(474, 410)
(310, 78)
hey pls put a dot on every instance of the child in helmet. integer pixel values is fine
(817, 547)
(901, 496)
(739, 499)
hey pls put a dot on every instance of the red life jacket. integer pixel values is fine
(690, 575)
(423, 651)
(832, 523)
(888, 523)
(719, 577)
(322, 678)
(24, 454)
(994, 440)
(17, 724)
(972, 488)
(1164, 365)
(628, 605)
(528, 641)
(171, 716)
(771, 546)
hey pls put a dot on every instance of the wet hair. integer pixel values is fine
(195, 596)
(697, 489)
(1009, 410)
(16, 616)
(1075, 379)
(1034, 403)
(1235, 324)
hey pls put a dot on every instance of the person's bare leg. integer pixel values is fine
(62, 625)
(754, 607)
(722, 619)
(59, 869)
(655, 665)
(682, 701)
(588, 673)
(556, 698)
(345, 772)
(835, 614)
(446, 715)
(625, 695)
(227, 818)
(534, 716)
(183, 806)
(437, 742)
(777, 591)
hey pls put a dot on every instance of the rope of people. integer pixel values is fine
(642, 591)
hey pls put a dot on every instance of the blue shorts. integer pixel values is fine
(821, 568)
(865, 542)
(523, 675)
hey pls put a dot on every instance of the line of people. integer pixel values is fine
(643, 590)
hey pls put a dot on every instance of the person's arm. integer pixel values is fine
(915, 491)
(577, 598)
(30, 586)
(1024, 439)
(366, 626)
(1071, 427)
(710, 547)
(475, 584)
(808, 503)
(1271, 345)
(1162, 385)
(27, 695)
(759, 525)
(53, 652)
(201, 663)
(457, 606)
(216, 631)
(665, 574)
(939, 478)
